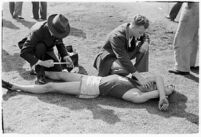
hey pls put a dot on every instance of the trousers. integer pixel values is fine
(186, 38)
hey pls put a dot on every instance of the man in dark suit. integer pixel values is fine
(37, 47)
(128, 41)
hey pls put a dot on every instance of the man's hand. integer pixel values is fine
(69, 61)
(142, 81)
(163, 104)
(75, 70)
(144, 48)
(46, 63)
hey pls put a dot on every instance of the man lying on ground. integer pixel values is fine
(84, 86)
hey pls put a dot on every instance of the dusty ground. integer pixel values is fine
(91, 22)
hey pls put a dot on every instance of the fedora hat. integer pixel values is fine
(58, 25)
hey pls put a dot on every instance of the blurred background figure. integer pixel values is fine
(186, 39)
(174, 11)
(39, 7)
(16, 10)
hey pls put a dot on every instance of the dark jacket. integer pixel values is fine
(40, 34)
(117, 47)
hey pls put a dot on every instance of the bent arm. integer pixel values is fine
(159, 84)
(28, 49)
(136, 96)
(61, 48)
(118, 47)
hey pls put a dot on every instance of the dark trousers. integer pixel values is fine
(42, 6)
(15, 8)
(141, 65)
(175, 10)
(42, 53)
(142, 62)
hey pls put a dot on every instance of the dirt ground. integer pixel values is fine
(91, 22)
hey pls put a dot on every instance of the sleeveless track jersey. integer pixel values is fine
(116, 86)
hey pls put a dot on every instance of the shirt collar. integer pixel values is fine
(127, 31)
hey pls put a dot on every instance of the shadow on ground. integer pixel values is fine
(14, 63)
(78, 33)
(26, 23)
(195, 70)
(176, 109)
(9, 24)
(82, 70)
(192, 77)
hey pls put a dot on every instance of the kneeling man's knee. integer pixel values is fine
(117, 68)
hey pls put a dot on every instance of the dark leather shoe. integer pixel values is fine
(178, 72)
(41, 80)
(168, 17)
(40, 74)
(18, 17)
(195, 67)
(7, 85)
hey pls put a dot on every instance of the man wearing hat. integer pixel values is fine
(37, 47)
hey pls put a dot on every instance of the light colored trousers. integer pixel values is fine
(186, 38)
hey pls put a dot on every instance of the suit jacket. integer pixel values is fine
(117, 47)
(40, 34)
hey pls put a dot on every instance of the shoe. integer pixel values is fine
(41, 80)
(7, 85)
(40, 74)
(133, 77)
(195, 67)
(178, 72)
(168, 17)
(43, 18)
(18, 17)
(36, 18)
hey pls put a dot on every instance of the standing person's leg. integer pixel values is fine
(12, 8)
(35, 10)
(194, 50)
(43, 10)
(142, 62)
(175, 10)
(193, 25)
(195, 40)
(18, 10)
(182, 42)
(179, 45)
